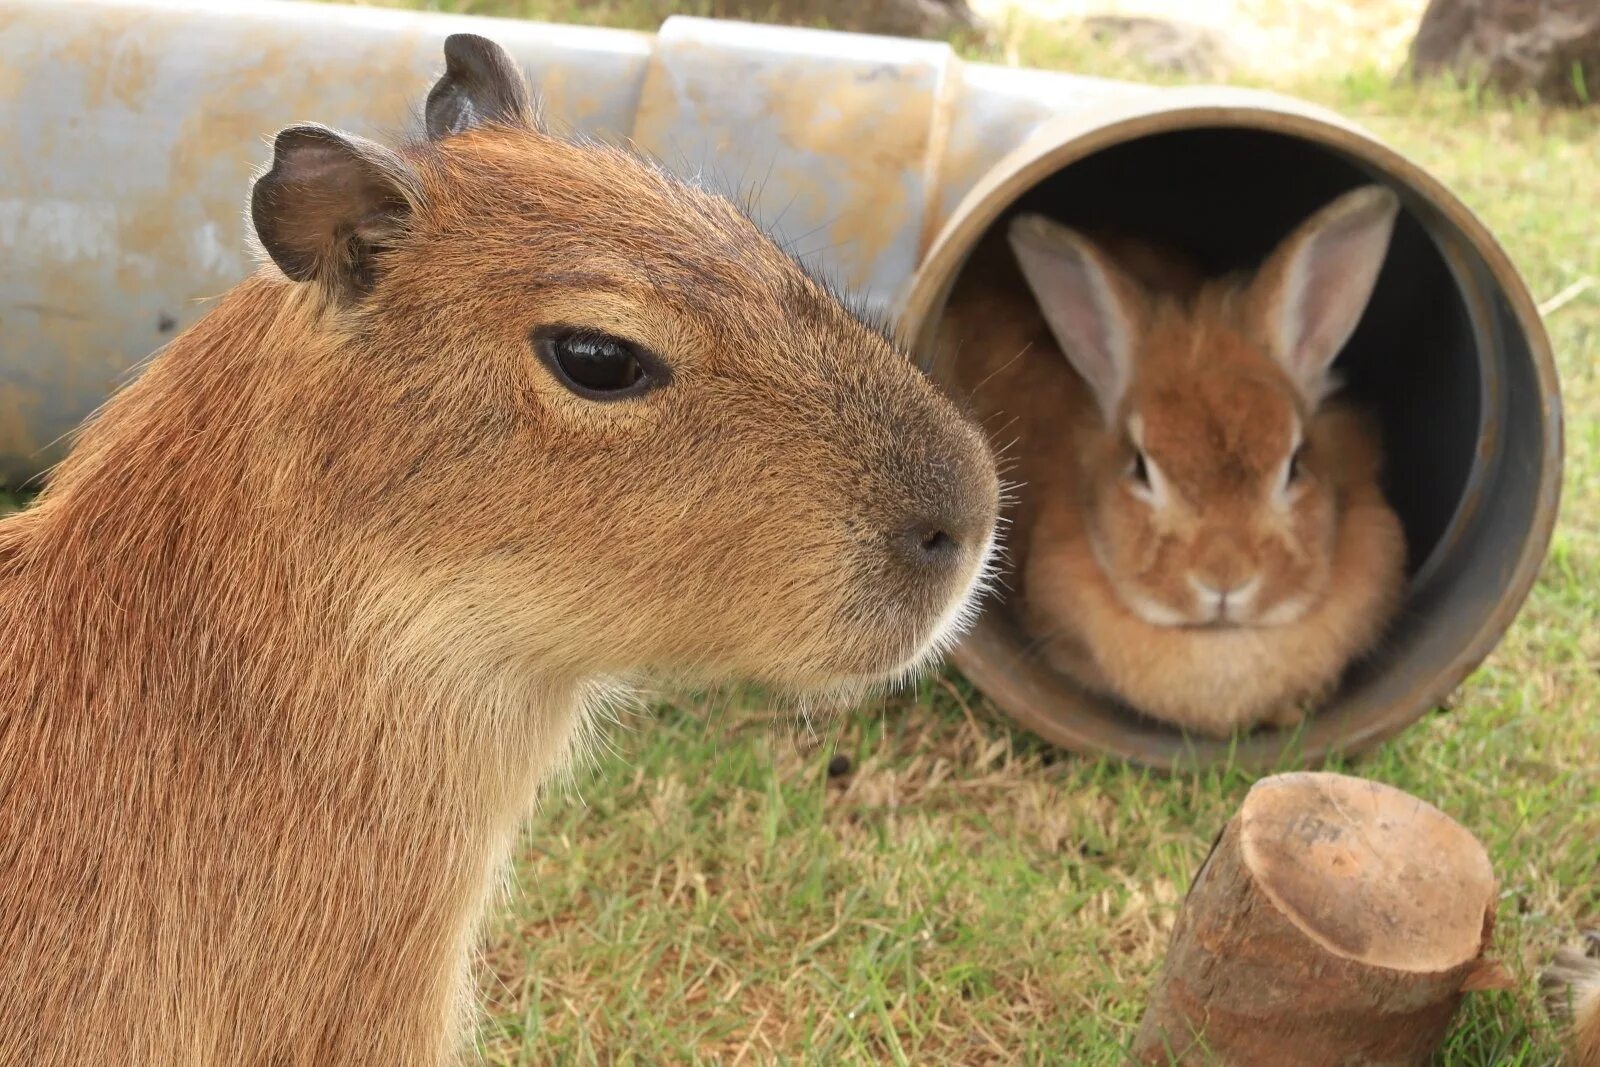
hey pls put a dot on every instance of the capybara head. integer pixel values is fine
(584, 414)
(1212, 496)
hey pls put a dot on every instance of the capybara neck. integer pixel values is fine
(364, 764)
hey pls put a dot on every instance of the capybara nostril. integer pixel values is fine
(936, 542)
(929, 543)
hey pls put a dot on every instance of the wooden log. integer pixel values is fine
(1336, 921)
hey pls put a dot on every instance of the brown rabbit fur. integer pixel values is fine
(1572, 987)
(1200, 534)
(295, 633)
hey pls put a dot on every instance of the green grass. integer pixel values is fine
(966, 895)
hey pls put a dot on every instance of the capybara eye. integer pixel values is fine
(598, 366)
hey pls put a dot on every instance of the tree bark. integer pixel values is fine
(1336, 921)
(1550, 47)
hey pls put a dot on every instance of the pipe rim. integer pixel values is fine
(1074, 137)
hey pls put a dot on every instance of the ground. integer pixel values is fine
(966, 895)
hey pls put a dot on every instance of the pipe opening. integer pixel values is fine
(1449, 358)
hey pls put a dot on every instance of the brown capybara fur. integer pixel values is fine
(295, 633)
(1201, 531)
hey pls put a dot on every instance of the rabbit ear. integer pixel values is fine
(1091, 307)
(1312, 290)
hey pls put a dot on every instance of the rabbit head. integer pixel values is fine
(1210, 488)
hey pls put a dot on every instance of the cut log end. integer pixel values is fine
(1336, 919)
(1369, 873)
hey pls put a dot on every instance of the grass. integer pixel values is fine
(963, 894)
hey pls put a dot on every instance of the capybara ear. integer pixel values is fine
(480, 85)
(1092, 308)
(1311, 292)
(328, 204)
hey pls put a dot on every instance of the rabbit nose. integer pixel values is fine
(1220, 598)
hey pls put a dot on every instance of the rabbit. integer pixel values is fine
(1202, 533)
(1571, 985)
(504, 425)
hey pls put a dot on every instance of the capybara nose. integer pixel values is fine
(948, 503)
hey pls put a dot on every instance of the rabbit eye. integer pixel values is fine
(1139, 469)
(1292, 473)
(596, 365)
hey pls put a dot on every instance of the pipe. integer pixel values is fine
(1451, 356)
(134, 128)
